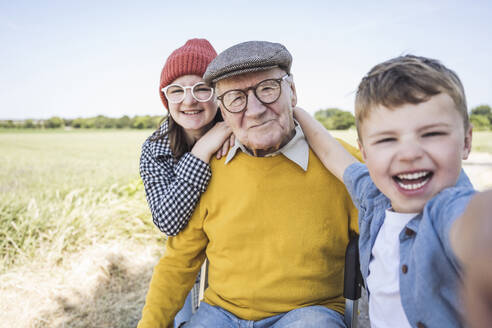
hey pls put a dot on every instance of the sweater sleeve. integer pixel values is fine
(172, 191)
(174, 275)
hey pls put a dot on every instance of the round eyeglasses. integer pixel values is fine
(175, 93)
(267, 92)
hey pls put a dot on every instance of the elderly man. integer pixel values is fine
(273, 223)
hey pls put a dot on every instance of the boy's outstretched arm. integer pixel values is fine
(471, 239)
(334, 157)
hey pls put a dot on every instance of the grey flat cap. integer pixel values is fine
(251, 56)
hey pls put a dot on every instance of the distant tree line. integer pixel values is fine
(331, 118)
(98, 122)
(481, 118)
(335, 119)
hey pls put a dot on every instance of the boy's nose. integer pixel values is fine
(255, 107)
(410, 151)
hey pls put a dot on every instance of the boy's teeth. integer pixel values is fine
(412, 186)
(413, 181)
(412, 176)
(192, 113)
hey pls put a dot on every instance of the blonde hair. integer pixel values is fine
(407, 79)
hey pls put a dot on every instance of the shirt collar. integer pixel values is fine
(297, 149)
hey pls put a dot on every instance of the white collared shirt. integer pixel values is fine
(297, 149)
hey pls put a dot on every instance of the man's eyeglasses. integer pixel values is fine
(175, 93)
(267, 92)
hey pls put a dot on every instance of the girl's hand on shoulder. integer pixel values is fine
(228, 143)
(216, 140)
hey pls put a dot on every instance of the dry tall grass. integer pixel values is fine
(64, 191)
(102, 286)
(77, 243)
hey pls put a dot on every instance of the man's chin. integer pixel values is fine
(262, 149)
(265, 144)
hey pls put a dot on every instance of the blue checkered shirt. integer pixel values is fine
(172, 186)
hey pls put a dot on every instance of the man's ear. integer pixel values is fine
(293, 96)
(468, 142)
(223, 112)
(361, 149)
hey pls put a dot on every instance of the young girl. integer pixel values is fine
(174, 161)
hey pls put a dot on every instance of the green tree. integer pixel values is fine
(67, 121)
(29, 124)
(335, 119)
(145, 122)
(89, 123)
(123, 122)
(7, 124)
(323, 114)
(482, 110)
(139, 122)
(485, 111)
(480, 122)
(78, 123)
(342, 120)
(156, 120)
(103, 122)
(54, 122)
(481, 117)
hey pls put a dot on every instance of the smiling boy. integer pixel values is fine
(413, 130)
(414, 151)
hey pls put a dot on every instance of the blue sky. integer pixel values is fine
(85, 58)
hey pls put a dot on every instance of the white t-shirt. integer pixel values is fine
(383, 282)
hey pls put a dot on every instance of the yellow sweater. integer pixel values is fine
(274, 235)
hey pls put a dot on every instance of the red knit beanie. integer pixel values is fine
(191, 59)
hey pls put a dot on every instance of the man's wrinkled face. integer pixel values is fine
(262, 128)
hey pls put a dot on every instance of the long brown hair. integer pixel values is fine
(176, 135)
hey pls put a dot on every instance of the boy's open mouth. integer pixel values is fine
(413, 181)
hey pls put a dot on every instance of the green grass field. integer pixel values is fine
(482, 142)
(64, 190)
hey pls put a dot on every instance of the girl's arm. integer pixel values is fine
(173, 190)
(216, 141)
(331, 153)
